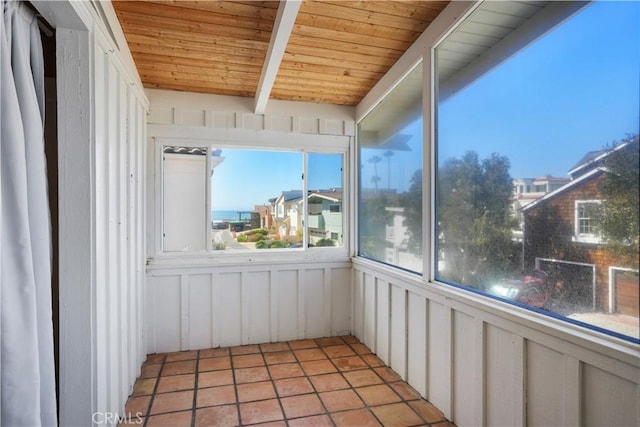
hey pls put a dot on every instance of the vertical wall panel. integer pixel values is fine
(398, 330)
(287, 312)
(341, 301)
(545, 385)
(358, 311)
(369, 312)
(502, 361)
(259, 307)
(199, 311)
(383, 322)
(417, 342)
(314, 302)
(166, 312)
(439, 358)
(608, 399)
(229, 295)
(464, 368)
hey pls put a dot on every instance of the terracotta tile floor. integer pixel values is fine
(333, 381)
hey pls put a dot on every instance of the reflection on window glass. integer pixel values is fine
(325, 222)
(390, 178)
(256, 199)
(537, 167)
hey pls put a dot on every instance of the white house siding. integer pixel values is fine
(120, 121)
(210, 306)
(101, 155)
(484, 363)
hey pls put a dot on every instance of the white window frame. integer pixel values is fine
(303, 143)
(584, 237)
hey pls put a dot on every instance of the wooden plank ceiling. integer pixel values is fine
(335, 53)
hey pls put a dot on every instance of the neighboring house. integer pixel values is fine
(325, 215)
(561, 236)
(397, 236)
(527, 190)
(286, 216)
(266, 217)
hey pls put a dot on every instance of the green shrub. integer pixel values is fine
(325, 242)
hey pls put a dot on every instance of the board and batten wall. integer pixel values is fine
(485, 363)
(213, 306)
(196, 301)
(101, 111)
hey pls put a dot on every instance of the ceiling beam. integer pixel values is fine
(282, 27)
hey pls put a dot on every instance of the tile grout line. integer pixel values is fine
(155, 389)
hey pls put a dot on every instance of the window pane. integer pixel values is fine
(537, 164)
(255, 199)
(390, 177)
(325, 220)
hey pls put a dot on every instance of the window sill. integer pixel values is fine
(264, 257)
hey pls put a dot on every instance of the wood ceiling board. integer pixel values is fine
(185, 26)
(164, 33)
(330, 34)
(338, 50)
(345, 11)
(178, 11)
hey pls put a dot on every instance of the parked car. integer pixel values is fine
(533, 288)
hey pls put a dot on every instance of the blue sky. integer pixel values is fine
(573, 91)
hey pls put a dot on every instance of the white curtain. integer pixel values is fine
(26, 358)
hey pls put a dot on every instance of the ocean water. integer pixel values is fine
(220, 215)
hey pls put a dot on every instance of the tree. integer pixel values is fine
(412, 203)
(474, 220)
(619, 189)
(375, 178)
(388, 155)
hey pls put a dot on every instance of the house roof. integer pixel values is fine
(333, 194)
(571, 184)
(596, 158)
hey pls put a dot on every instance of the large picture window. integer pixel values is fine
(229, 199)
(390, 177)
(537, 159)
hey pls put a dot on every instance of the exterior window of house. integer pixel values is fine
(588, 218)
(558, 104)
(325, 198)
(229, 199)
(390, 177)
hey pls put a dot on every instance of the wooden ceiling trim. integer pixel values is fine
(282, 27)
(322, 97)
(187, 70)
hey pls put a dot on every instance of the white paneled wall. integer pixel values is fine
(205, 307)
(119, 195)
(488, 366)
